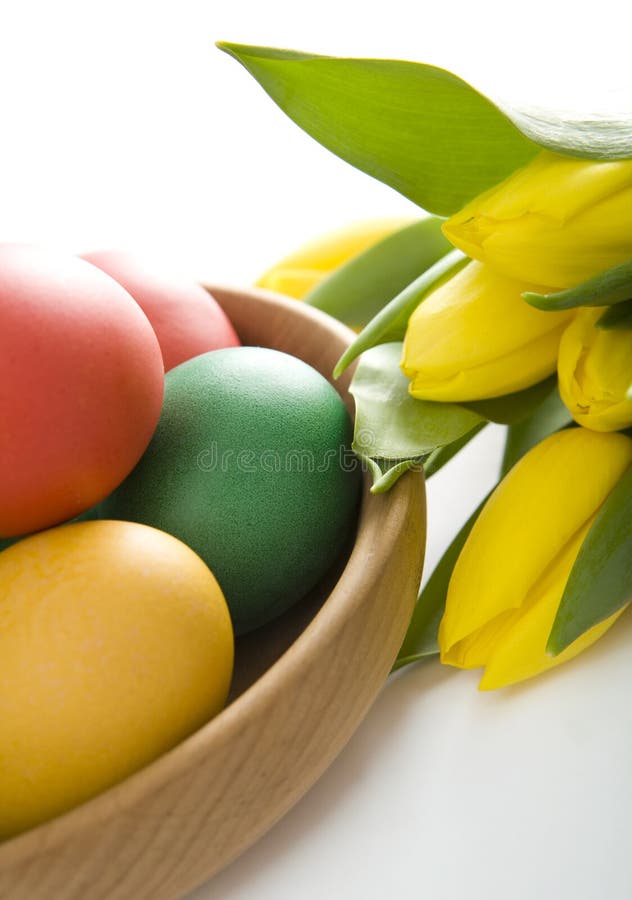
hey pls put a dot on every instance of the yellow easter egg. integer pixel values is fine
(115, 644)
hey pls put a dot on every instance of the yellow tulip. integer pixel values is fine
(557, 221)
(474, 336)
(298, 273)
(509, 579)
(595, 373)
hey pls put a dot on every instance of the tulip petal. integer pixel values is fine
(521, 651)
(557, 221)
(512, 372)
(300, 271)
(595, 372)
(505, 669)
(475, 649)
(519, 629)
(291, 282)
(552, 186)
(473, 337)
(538, 507)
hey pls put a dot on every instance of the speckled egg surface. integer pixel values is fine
(81, 387)
(251, 467)
(187, 320)
(115, 645)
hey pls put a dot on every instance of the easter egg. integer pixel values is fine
(115, 644)
(87, 516)
(186, 318)
(81, 385)
(250, 466)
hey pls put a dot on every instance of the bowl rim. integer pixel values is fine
(367, 549)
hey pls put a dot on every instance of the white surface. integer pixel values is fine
(122, 126)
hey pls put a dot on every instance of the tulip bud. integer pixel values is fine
(474, 337)
(298, 273)
(509, 579)
(557, 221)
(595, 372)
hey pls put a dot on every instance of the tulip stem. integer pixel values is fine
(390, 323)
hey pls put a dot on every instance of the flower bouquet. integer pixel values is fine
(509, 301)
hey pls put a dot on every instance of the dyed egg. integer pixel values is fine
(186, 318)
(115, 644)
(81, 385)
(86, 516)
(250, 466)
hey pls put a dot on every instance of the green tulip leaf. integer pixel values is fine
(616, 317)
(590, 136)
(512, 408)
(375, 467)
(418, 128)
(609, 287)
(421, 638)
(359, 289)
(391, 321)
(600, 582)
(386, 473)
(392, 425)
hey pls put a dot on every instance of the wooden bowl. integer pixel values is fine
(302, 685)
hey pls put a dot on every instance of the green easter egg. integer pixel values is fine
(250, 466)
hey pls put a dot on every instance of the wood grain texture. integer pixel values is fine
(166, 829)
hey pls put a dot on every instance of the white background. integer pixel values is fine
(123, 126)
